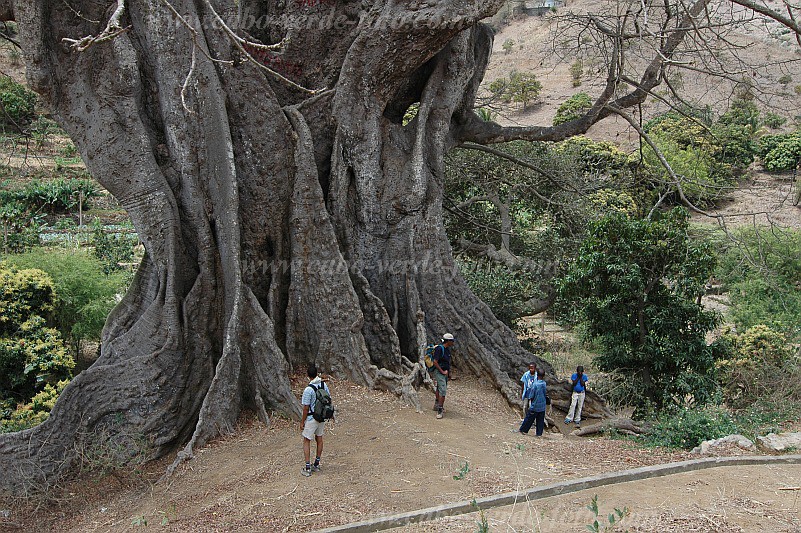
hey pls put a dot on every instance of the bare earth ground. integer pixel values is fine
(383, 458)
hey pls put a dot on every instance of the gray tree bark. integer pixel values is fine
(287, 213)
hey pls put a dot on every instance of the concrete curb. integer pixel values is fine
(556, 489)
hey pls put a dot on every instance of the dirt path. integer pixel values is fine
(726, 499)
(380, 458)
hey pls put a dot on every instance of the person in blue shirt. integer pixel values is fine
(309, 427)
(536, 412)
(526, 383)
(578, 386)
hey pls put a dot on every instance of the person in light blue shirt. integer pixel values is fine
(309, 427)
(536, 413)
(527, 382)
(578, 387)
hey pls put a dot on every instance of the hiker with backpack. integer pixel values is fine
(317, 408)
(440, 371)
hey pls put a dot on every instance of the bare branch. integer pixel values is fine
(112, 30)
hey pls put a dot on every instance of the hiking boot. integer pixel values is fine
(567, 420)
(439, 414)
(305, 471)
(578, 423)
(315, 468)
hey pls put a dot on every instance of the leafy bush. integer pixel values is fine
(774, 121)
(112, 249)
(636, 284)
(18, 104)
(20, 227)
(761, 362)
(687, 428)
(31, 414)
(762, 272)
(56, 196)
(572, 108)
(576, 71)
(521, 87)
(85, 293)
(781, 152)
(31, 354)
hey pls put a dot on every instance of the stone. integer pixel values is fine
(710, 445)
(779, 443)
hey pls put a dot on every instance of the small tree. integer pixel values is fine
(521, 87)
(572, 108)
(637, 286)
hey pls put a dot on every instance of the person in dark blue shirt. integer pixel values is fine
(536, 412)
(578, 387)
(441, 371)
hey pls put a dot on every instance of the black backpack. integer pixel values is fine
(323, 407)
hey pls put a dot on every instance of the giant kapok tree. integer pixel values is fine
(288, 213)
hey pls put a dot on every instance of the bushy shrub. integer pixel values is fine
(780, 152)
(762, 272)
(572, 108)
(520, 87)
(687, 428)
(31, 354)
(85, 293)
(56, 196)
(760, 363)
(18, 104)
(31, 414)
(110, 248)
(503, 290)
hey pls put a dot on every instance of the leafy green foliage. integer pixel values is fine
(781, 152)
(17, 104)
(112, 249)
(86, 294)
(503, 290)
(20, 227)
(31, 354)
(572, 108)
(612, 519)
(636, 285)
(703, 157)
(687, 428)
(762, 365)
(762, 271)
(774, 121)
(507, 45)
(521, 87)
(56, 196)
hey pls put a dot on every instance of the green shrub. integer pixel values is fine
(503, 290)
(761, 361)
(56, 196)
(576, 71)
(85, 293)
(112, 249)
(31, 414)
(774, 121)
(762, 273)
(18, 104)
(521, 87)
(31, 354)
(781, 152)
(687, 428)
(572, 108)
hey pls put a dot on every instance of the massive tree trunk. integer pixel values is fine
(288, 214)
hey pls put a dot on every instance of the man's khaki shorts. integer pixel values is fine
(313, 428)
(442, 381)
